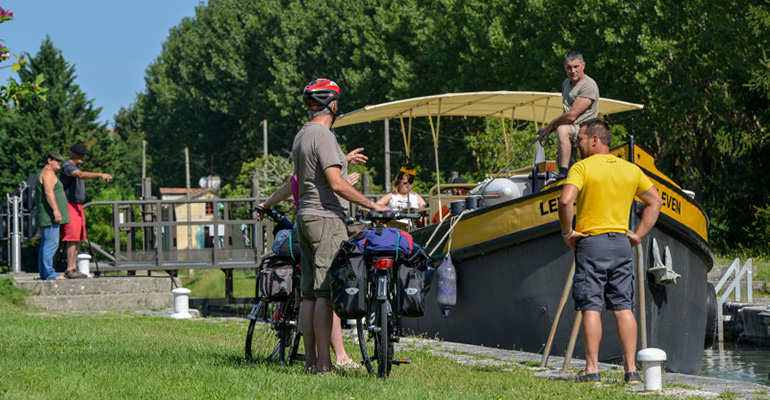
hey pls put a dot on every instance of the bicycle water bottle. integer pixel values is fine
(446, 291)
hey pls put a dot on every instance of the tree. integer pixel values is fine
(65, 117)
(699, 69)
(16, 91)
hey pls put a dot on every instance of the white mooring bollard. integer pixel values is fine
(181, 303)
(652, 360)
(84, 264)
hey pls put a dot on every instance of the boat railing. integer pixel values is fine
(734, 287)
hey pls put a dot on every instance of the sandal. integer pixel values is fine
(349, 363)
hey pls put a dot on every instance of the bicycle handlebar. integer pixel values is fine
(273, 215)
(391, 215)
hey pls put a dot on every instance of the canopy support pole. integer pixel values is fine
(505, 138)
(435, 131)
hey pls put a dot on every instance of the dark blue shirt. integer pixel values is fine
(75, 188)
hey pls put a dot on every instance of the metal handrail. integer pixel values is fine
(210, 257)
(733, 287)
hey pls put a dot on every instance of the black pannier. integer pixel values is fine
(413, 281)
(348, 281)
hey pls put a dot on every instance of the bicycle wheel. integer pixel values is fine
(261, 335)
(384, 345)
(365, 328)
(294, 354)
(287, 328)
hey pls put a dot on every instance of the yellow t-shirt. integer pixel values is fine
(607, 187)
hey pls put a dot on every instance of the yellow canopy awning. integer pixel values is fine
(539, 107)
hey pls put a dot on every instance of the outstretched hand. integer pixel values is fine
(353, 178)
(356, 158)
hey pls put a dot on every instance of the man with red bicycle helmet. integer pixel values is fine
(324, 195)
(319, 95)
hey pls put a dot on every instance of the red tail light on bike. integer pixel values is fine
(384, 263)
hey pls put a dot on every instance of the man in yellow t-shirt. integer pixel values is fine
(605, 187)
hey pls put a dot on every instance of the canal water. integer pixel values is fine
(738, 363)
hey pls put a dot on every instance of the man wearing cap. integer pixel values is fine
(324, 196)
(75, 232)
(51, 211)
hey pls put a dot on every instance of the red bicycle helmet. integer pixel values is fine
(320, 93)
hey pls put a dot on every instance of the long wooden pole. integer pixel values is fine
(641, 279)
(572, 340)
(264, 137)
(386, 144)
(189, 211)
(555, 324)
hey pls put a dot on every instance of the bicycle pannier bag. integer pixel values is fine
(348, 281)
(413, 282)
(275, 279)
(382, 241)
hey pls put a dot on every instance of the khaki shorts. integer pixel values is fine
(573, 134)
(319, 239)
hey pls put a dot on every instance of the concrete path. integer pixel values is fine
(677, 385)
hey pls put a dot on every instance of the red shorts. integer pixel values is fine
(75, 231)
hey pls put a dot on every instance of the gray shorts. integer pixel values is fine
(604, 273)
(319, 239)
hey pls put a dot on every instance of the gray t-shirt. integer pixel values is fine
(75, 188)
(585, 88)
(315, 149)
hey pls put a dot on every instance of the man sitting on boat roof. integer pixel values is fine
(580, 100)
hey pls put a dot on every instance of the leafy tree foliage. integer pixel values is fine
(39, 125)
(699, 67)
(64, 117)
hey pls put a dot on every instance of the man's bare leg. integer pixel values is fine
(306, 312)
(592, 335)
(73, 249)
(626, 324)
(322, 320)
(565, 146)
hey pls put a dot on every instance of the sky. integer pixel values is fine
(109, 42)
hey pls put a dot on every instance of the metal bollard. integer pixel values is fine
(181, 303)
(84, 264)
(652, 360)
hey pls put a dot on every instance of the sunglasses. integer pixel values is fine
(400, 176)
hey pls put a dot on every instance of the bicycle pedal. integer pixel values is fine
(400, 361)
(299, 357)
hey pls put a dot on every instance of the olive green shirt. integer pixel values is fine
(44, 212)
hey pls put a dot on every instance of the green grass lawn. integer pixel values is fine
(122, 355)
(210, 283)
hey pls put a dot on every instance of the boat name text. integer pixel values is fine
(671, 202)
(552, 207)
